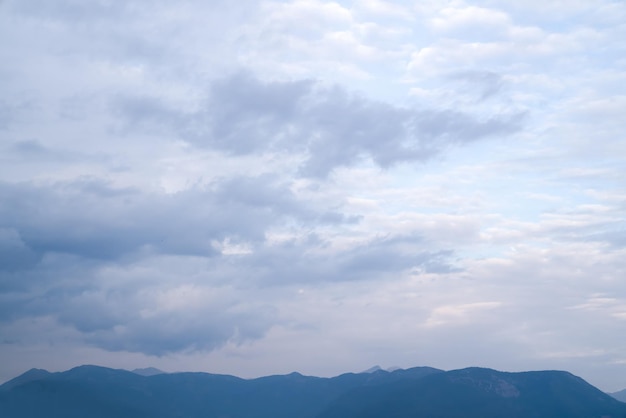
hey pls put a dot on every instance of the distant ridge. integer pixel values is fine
(100, 392)
(148, 371)
(620, 396)
(377, 368)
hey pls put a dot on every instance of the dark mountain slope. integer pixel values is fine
(101, 392)
(419, 392)
(97, 391)
(483, 393)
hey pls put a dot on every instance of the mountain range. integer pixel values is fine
(100, 392)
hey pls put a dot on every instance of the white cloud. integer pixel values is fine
(375, 9)
(458, 314)
(451, 20)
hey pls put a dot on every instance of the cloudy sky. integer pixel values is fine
(259, 187)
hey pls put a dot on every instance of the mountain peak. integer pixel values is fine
(30, 375)
(372, 369)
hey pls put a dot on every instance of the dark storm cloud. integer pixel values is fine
(89, 218)
(59, 239)
(135, 316)
(203, 330)
(329, 125)
(56, 240)
(15, 255)
(71, 218)
(65, 236)
(121, 319)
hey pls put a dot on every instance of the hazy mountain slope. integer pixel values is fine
(621, 395)
(148, 371)
(480, 393)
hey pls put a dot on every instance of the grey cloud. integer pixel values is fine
(271, 196)
(72, 11)
(168, 41)
(245, 115)
(368, 262)
(89, 218)
(109, 32)
(290, 262)
(6, 115)
(12, 111)
(33, 150)
(189, 331)
(33, 279)
(329, 125)
(303, 262)
(394, 254)
(75, 227)
(614, 234)
(484, 84)
(91, 311)
(107, 227)
(144, 313)
(30, 148)
(113, 320)
(15, 255)
(123, 318)
(345, 128)
(254, 192)
(443, 128)
(78, 230)
(143, 113)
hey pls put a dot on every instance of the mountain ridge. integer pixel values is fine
(481, 392)
(103, 392)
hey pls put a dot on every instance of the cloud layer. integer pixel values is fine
(312, 185)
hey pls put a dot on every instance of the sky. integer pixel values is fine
(261, 187)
